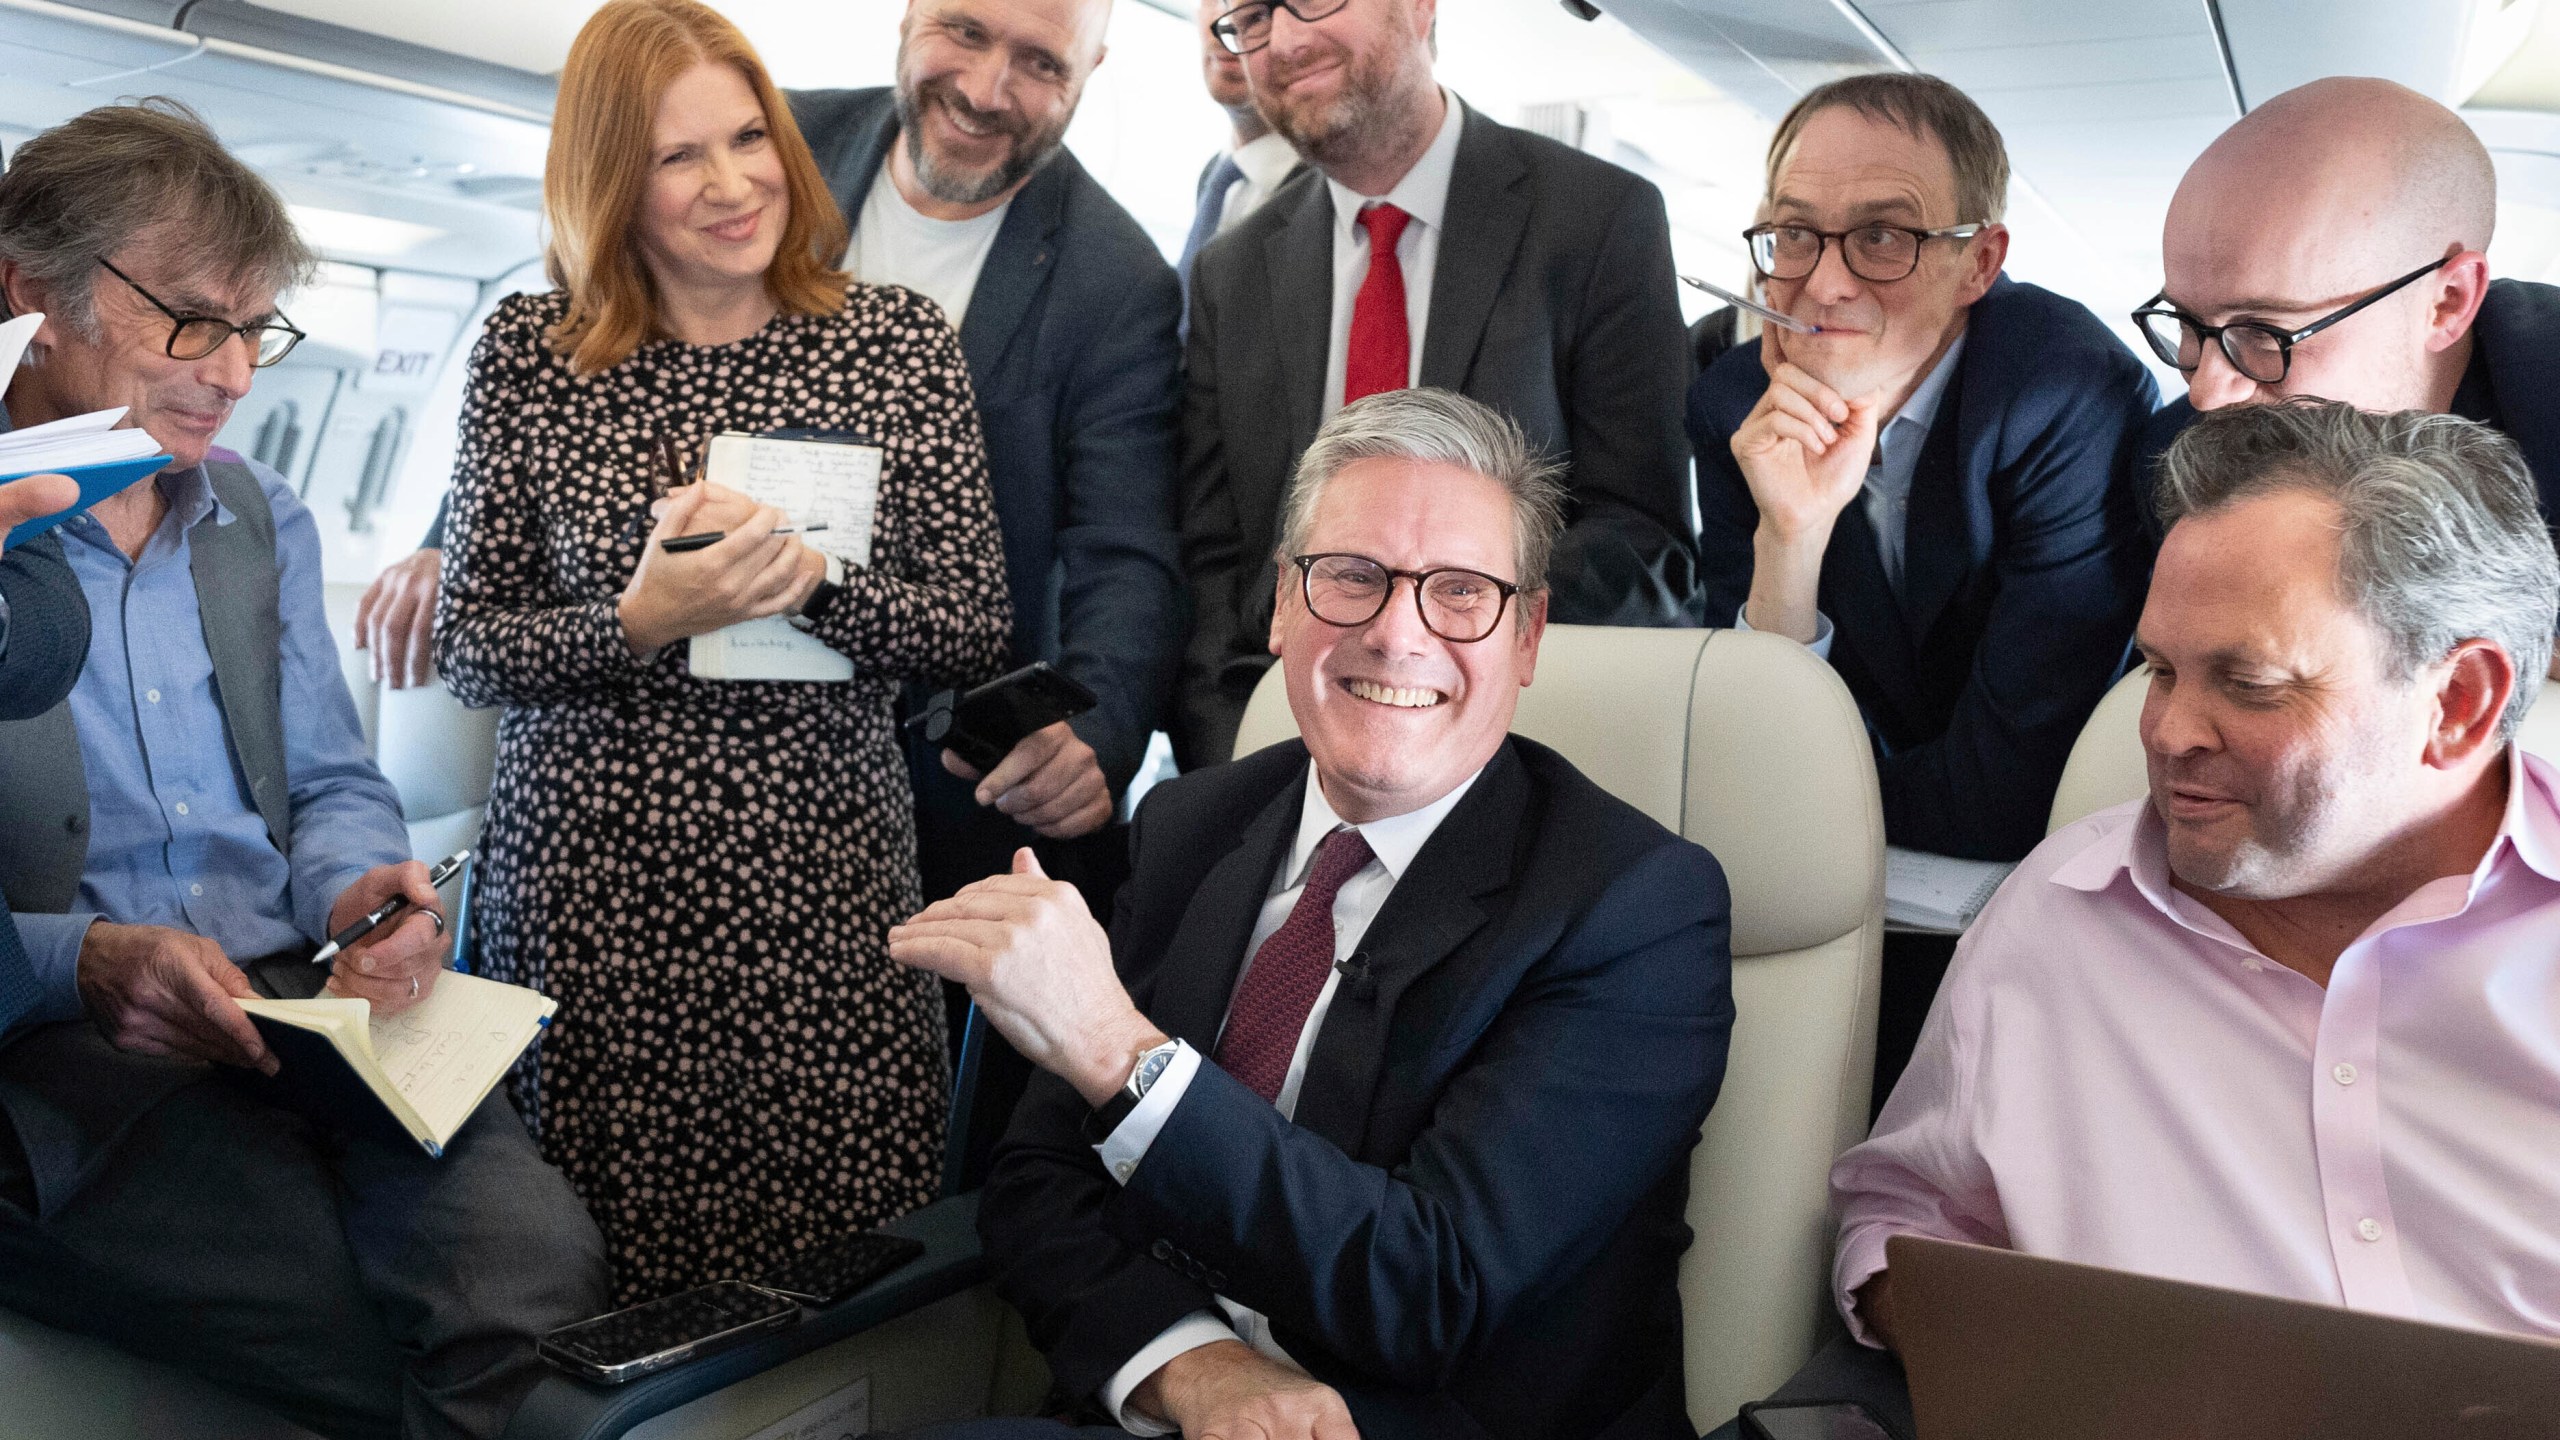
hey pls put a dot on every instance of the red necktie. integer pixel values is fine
(1380, 356)
(1288, 972)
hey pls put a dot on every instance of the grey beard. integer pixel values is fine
(960, 187)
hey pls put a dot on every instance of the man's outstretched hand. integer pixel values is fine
(1036, 962)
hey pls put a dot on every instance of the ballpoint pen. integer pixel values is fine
(704, 540)
(1773, 316)
(443, 871)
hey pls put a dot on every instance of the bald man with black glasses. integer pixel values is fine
(2333, 243)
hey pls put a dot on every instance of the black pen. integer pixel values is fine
(443, 871)
(681, 544)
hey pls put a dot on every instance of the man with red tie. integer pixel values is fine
(1371, 1114)
(1424, 245)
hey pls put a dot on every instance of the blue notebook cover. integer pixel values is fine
(97, 482)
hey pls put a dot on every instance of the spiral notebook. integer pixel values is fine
(1938, 893)
(829, 482)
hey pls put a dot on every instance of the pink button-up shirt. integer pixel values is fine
(2112, 1075)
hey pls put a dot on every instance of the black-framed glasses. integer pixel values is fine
(193, 337)
(1246, 28)
(1878, 254)
(2256, 349)
(1459, 606)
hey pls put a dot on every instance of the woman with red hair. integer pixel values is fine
(702, 871)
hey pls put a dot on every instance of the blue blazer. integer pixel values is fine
(40, 653)
(1071, 347)
(1473, 1226)
(2513, 383)
(2024, 568)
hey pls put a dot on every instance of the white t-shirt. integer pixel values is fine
(894, 244)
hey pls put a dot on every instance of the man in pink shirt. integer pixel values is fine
(2292, 1025)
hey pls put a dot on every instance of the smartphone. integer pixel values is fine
(1813, 1420)
(824, 1274)
(645, 1339)
(982, 726)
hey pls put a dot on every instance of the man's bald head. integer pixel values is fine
(2316, 198)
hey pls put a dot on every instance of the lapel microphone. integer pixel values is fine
(1357, 982)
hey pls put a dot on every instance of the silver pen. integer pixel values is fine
(1774, 317)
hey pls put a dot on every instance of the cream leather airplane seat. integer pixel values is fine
(2106, 767)
(435, 751)
(1751, 747)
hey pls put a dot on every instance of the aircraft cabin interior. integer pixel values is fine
(408, 144)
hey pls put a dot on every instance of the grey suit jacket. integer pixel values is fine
(1070, 342)
(1553, 301)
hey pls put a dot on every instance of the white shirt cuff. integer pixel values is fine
(1126, 1145)
(835, 567)
(1820, 645)
(1200, 1327)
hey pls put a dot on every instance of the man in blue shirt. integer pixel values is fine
(199, 812)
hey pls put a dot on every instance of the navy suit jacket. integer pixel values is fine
(40, 654)
(2024, 568)
(2514, 376)
(1071, 348)
(1472, 1226)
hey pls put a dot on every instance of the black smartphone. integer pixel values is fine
(824, 1274)
(1813, 1420)
(644, 1339)
(983, 725)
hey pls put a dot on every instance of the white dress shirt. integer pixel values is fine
(1423, 193)
(1887, 492)
(1393, 842)
(1265, 161)
(896, 244)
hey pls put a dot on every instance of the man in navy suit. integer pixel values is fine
(1935, 490)
(1372, 1112)
(958, 185)
(2363, 277)
(44, 635)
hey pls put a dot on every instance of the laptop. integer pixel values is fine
(2004, 1346)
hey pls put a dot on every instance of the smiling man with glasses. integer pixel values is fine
(188, 825)
(1329, 1167)
(2333, 243)
(1431, 246)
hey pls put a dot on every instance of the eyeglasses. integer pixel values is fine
(193, 337)
(1246, 28)
(1459, 606)
(2258, 350)
(1878, 254)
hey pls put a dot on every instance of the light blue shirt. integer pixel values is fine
(174, 839)
(1887, 492)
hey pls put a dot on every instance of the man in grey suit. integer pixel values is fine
(1518, 272)
(189, 823)
(958, 186)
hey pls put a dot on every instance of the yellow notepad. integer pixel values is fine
(425, 1069)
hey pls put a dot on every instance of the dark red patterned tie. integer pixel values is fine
(1288, 972)
(1380, 355)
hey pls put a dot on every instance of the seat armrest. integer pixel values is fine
(564, 1407)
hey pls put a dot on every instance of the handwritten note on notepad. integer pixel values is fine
(440, 1054)
(1937, 893)
(814, 482)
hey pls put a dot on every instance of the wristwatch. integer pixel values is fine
(1106, 1117)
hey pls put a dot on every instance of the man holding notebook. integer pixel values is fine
(199, 811)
